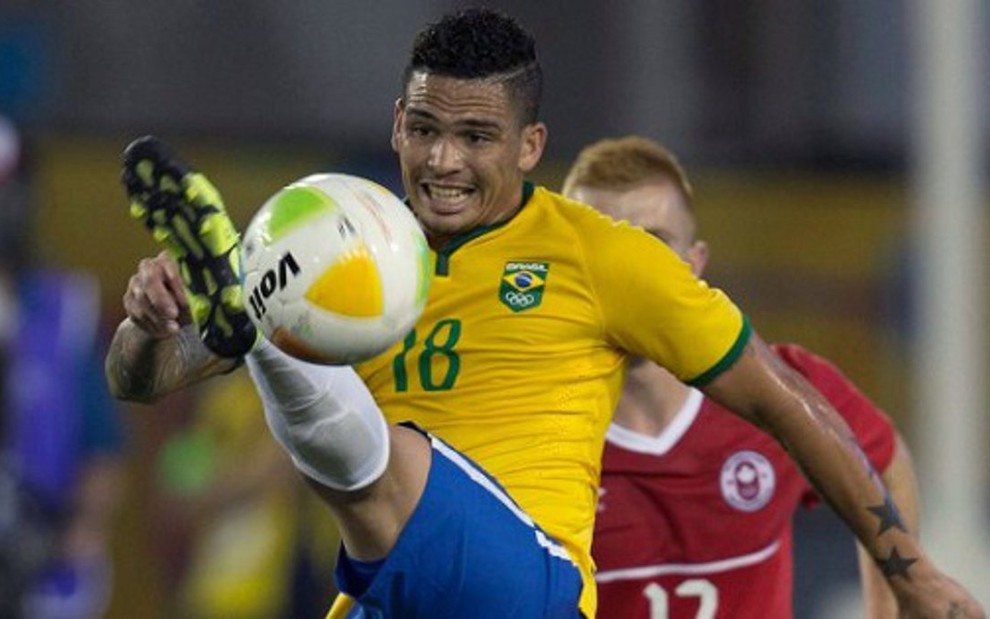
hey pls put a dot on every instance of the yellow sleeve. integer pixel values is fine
(654, 307)
(341, 606)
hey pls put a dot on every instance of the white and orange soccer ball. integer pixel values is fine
(336, 269)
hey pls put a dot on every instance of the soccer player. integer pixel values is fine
(485, 508)
(695, 508)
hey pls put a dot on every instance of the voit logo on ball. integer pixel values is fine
(273, 280)
(747, 480)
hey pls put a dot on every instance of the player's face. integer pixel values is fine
(656, 206)
(463, 152)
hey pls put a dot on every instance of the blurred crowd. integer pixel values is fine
(231, 530)
(61, 435)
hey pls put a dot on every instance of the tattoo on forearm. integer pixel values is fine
(888, 514)
(126, 367)
(890, 518)
(895, 565)
(191, 353)
(144, 369)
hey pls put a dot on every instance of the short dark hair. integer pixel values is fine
(478, 44)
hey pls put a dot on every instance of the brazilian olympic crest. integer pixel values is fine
(522, 284)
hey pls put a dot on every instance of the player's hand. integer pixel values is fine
(155, 299)
(934, 595)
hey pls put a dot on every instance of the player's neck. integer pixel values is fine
(651, 399)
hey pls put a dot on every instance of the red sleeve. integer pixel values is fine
(872, 427)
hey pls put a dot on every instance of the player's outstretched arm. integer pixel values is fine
(157, 349)
(878, 599)
(763, 389)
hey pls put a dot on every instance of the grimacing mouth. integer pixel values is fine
(446, 191)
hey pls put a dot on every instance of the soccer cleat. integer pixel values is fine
(185, 213)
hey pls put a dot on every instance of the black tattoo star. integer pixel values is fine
(888, 515)
(895, 565)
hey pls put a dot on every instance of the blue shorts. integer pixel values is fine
(467, 551)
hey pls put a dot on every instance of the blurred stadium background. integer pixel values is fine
(826, 140)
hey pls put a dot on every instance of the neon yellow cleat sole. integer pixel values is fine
(184, 213)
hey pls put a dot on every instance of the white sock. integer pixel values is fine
(323, 416)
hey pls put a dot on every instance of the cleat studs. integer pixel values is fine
(145, 170)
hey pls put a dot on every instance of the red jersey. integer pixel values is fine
(696, 523)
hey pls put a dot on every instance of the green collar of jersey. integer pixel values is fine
(443, 254)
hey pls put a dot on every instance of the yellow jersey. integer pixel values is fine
(519, 357)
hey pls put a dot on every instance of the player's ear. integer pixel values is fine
(698, 257)
(397, 123)
(534, 139)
